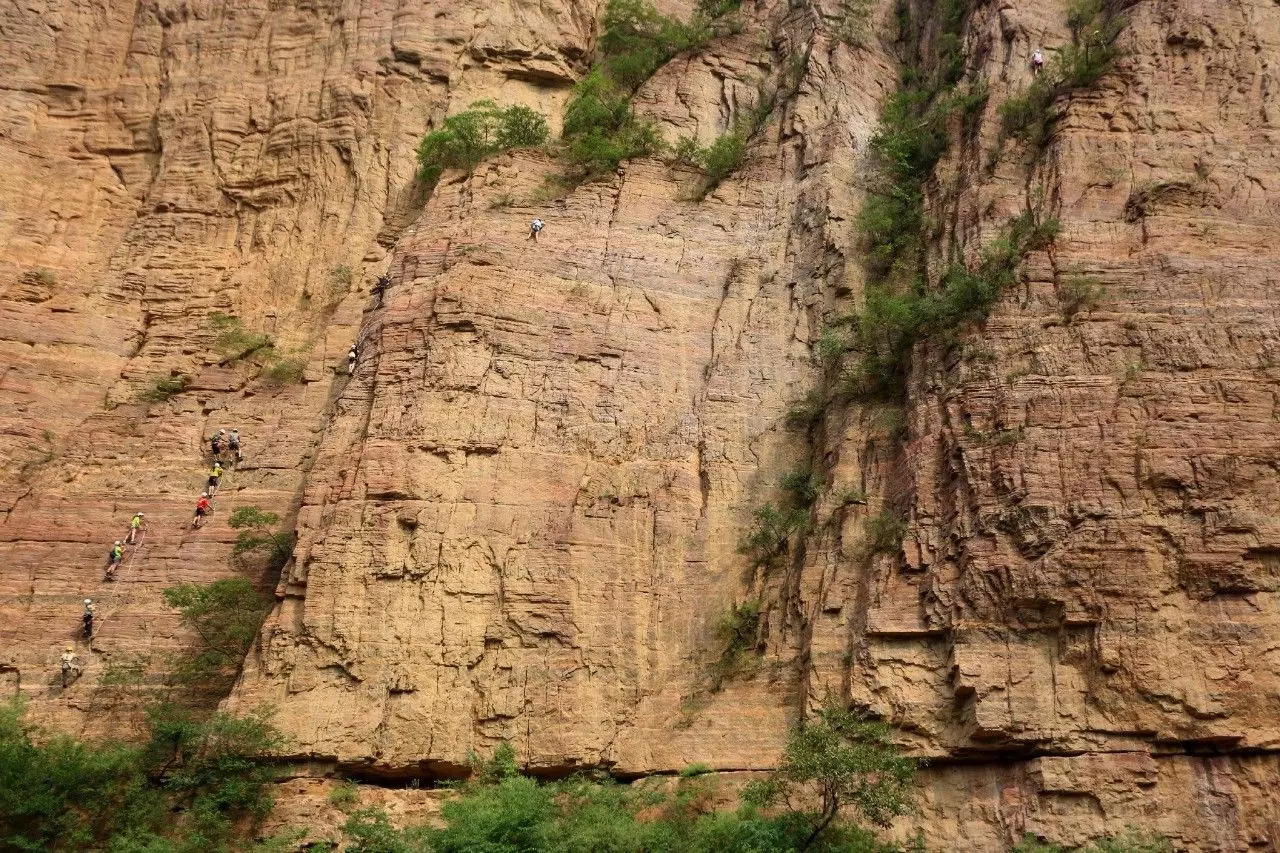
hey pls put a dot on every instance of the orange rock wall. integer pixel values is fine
(519, 519)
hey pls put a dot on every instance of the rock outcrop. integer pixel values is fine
(520, 518)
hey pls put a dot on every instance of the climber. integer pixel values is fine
(203, 508)
(215, 444)
(135, 527)
(215, 474)
(352, 355)
(233, 444)
(70, 669)
(384, 281)
(534, 228)
(87, 618)
(1037, 61)
(113, 559)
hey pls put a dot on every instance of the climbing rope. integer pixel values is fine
(113, 599)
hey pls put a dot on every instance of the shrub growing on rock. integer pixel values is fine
(182, 790)
(480, 131)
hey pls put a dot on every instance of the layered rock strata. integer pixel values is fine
(520, 519)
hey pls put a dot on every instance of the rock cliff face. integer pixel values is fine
(519, 520)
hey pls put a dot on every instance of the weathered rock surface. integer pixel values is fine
(169, 160)
(519, 519)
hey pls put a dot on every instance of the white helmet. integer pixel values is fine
(138, 514)
(118, 542)
(88, 601)
(204, 494)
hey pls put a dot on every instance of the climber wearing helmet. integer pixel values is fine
(203, 507)
(1037, 61)
(215, 474)
(534, 227)
(215, 443)
(352, 355)
(113, 559)
(135, 526)
(87, 618)
(70, 669)
(233, 444)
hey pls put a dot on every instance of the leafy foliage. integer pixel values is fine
(851, 761)
(256, 536)
(738, 633)
(480, 131)
(234, 341)
(766, 542)
(638, 40)
(898, 314)
(1092, 54)
(165, 387)
(183, 791)
(279, 372)
(226, 615)
(601, 131)
(1079, 293)
(721, 159)
(504, 812)
(885, 532)
(344, 795)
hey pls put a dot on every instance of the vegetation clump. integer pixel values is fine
(840, 758)
(256, 536)
(771, 531)
(851, 761)
(164, 388)
(280, 371)
(638, 40)
(900, 311)
(233, 340)
(1092, 53)
(885, 532)
(225, 616)
(738, 634)
(600, 128)
(1079, 293)
(39, 276)
(480, 131)
(183, 790)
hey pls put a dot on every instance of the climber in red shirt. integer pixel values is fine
(203, 507)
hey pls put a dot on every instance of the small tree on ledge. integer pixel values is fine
(850, 761)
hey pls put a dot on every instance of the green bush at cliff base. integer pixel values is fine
(180, 791)
(481, 130)
(510, 812)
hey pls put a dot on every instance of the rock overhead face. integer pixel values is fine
(520, 518)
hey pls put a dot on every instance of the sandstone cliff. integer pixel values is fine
(519, 520)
